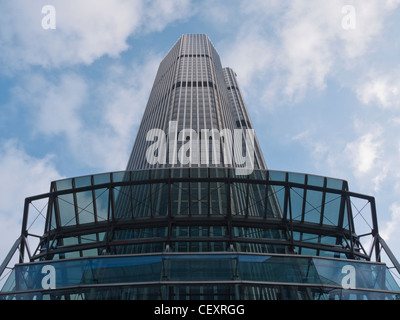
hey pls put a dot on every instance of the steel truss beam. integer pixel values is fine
(286, 223)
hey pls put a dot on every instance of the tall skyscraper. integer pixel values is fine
(194, 101)
(197, 214)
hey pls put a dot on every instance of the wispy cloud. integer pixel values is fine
(390, 228)
(95, 119)
(381, 90)
(302, 44)
(85, 30)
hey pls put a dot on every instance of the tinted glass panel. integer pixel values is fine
(312, 212)
(101, 178)
(64, 184)
(85, 207)
(332, 209)
(296, 201)
(315, 181)
(83, 181)
(297, 178)
(334, 184)
(277, 176)
(67, 210)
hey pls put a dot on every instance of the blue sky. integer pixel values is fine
(324, 99)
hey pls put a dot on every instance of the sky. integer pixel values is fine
(321, 81)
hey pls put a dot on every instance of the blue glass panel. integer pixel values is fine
(196, 198)
(217, 231)
(85, 181)
(175, 191)
(183, 196)
(89, 238)
(70, 241)
(140, 201)
(309, 237)
(123, 202)
(139, 175)
(203, 173)
(218, 204)
(297, 178)
(85, 207)
(53, 223)
(204, 198)
(67, 210)
(90, 253)
(160, 174)
(346, 217)
(64, 184)
(334, 184)
(277, 176)
(101, 178)
(195, 172)
(277, 192)
(390, 282)
(122, 176)
(258, 175)
(296, 202)
(180, 231)
(256, 202)
(308, 252)
(328, 240)
(332, 209)
(238, 198)
(366, 275)
(315, 181)
(198, 269)
(141, 233)
(253, 258)
(312, 212)
(102, 200)
(205, 267)
(180, 173)
(160, 199)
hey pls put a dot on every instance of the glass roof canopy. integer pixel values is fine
(201, 210)
(190, 213)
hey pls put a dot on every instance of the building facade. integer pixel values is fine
(195, 102)
(197, 214)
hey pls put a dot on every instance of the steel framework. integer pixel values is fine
(189, 210)
(348, 242)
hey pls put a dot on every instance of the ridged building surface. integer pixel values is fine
(192, 98)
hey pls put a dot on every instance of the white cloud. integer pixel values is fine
(85, 30)
(122, 97)
(21, 176)
(381, 90)
(372, 155)
(96, 119)
(390, 228)
(159, 13)
(314, 42)
(53, 103)
(301, 44)
(364, 152)
(125, 92)
(248, 56)
(306, 37)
